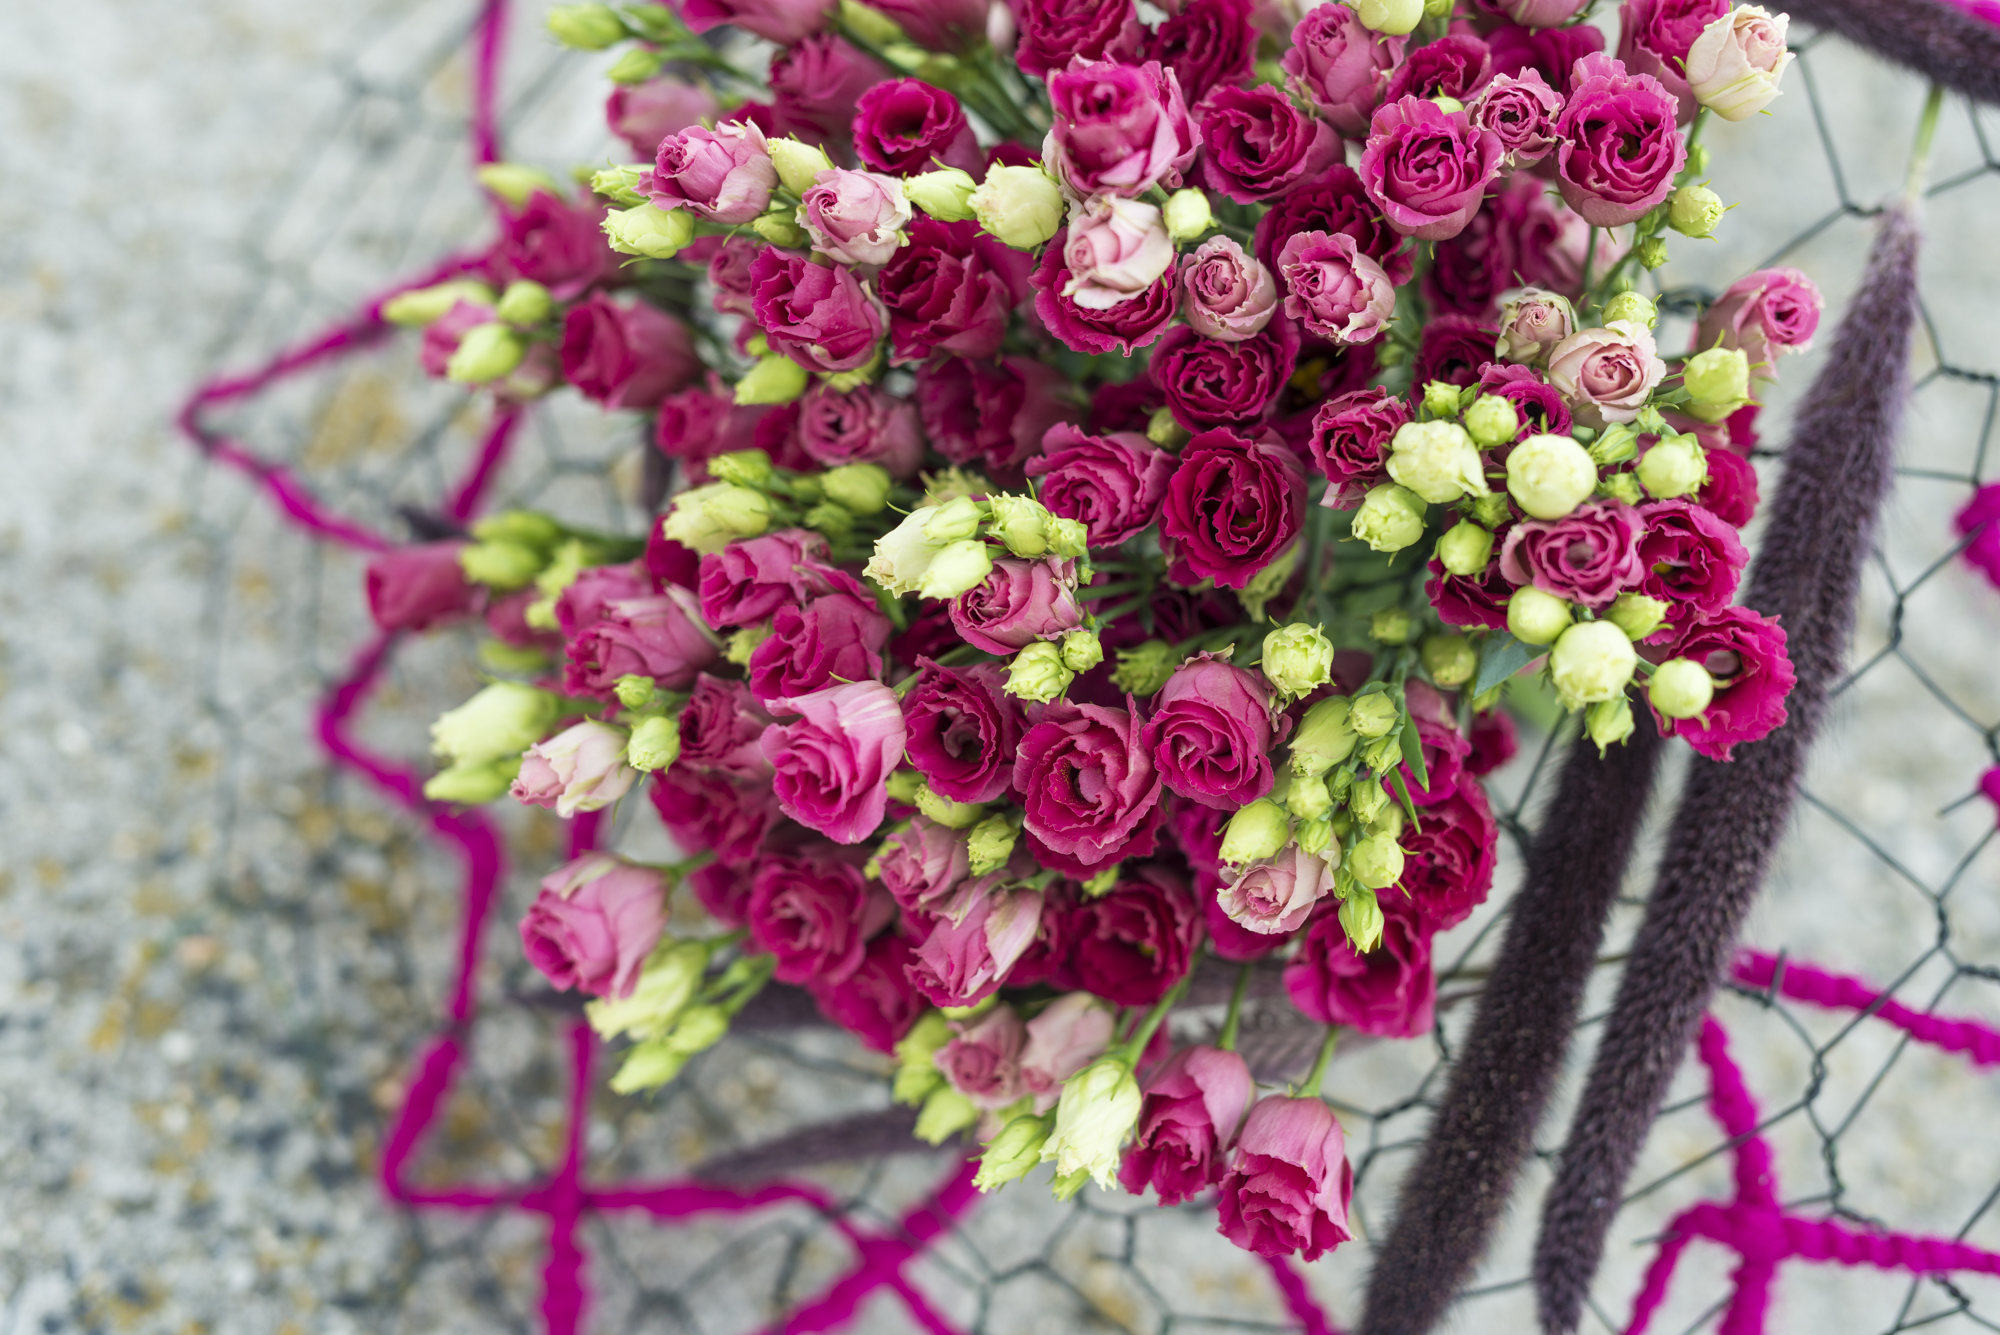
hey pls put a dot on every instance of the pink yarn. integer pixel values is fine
(1299, 1299)
(1980, 1043)
(1981, 9)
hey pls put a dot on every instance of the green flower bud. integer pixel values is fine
(1187, 215)
(1165, 431)
(1389, 625)
(586, 27)
(525, 303)
(655, 744)
(426, 305)
(1082, 650)
(1361, 919)
(1021, 523)
(871, 25)
(1013, 1153)
(1373, 715)
(487, 352)
(1637, 615)
(1680, 688)
(472, 783)
(941, 809)
(1614, 445)
(1019, 205)
(1437, 461)
(944, 195)
(635, 66)
(1674, 467)
(992, 843)
(1376, 862)
(1389, 820)
(1037, 674)
(1098, 1109)
(648, 230)
(780, 229)
(1441, 398)
(517, 184)
(1492, 421)
(1392, 18)
(746, 468)
(1437, 9)
(1325, 737)
(1696, 211)
(1591, 662)
(1632, 306)
(1450, 659)
(1143, 669)
(1298, 659)
(656, 1061)
(1549, 476)
(499, 722)
(959, 567)
(1652, 252)
(1717, 382)
(635, 691)
(1608, 723)
(904, 785)
(1465, 548)
(957, 518)
(1315, 838)
(526, 527)
(917, 1074)
(1390, 518)
(1308, 799)
(743, 642)
(1068, 538)
(944, 1114)
(620, 185)
(1256, 831)
(500, 565)
(861, 489)
(1383, 753)
(799, 165)
(1535, 617)
(668, 981)
(708, 518)
(775, 378)
(1367, 799)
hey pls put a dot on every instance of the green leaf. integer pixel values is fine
(1403, 796)
(1500, 658)
(1413, 751)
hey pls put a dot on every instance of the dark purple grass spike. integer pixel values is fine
(1940, 41)
(1731, 816)
(1507, 1069)
(862, 1136)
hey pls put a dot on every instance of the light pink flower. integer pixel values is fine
(984, 1061)
(833, 765)
(1062, 1040)
(1334, 289)
(724, 175)
(579, 769)
(594, 923)
(1117, 249)
(1288, 1188)
(1277, 895)
(1608, 373)
(1227, 294)
(855, 217)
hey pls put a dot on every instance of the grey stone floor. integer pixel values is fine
(216, 957)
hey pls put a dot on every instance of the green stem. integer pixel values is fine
(1143, 1035)
(1920, 152)
(1589, 262)
(1233, 1021)
(1694, 139)
(1314, 1077)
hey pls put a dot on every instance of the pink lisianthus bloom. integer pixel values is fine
(862, 426)
(1333, 289)
(1228, 295)
(820, 315)
(749, 580)
(1071, 1032)
(780, 21)
(1654, 37)
(905, 126)
(1257, 145)
(1745, 654)
(1115, 250)
(963, 730)
(1428, 169)
(1620, 149)
(1339, 66)
(1767, 314)
(814, 915)
(1520, 110)
(1020, 602)
(1350, 443)
(660, 636)
(833, 764)
(1274, 897)
(1288, 1187)
(921, 865)
(724, 175)
(579, 769)
(1389, 992)
(1589, 556)
(855, 217)
(876, 1003)
(1113, 484)
(835, 638)
(1210, 731)
(983, 1060)
(1089, 790)
(720, 728)
(1451, 854)
(420, 586)
(593, 924)
(1118, 129)
(1607, 373)
(965, 959)
(626, 355)
(1233, 506)
(644, 114)
(1691, 557)
(1194, 1104)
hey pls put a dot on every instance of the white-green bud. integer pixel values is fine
(668, 981)
(1680, 688)
(1437, 461)
(991, 844)
(1298, 659)
(780, 229)
(1325, 737)
(1098, 1109)
(500, 721)
(655, 744)
(648, 230)
(588, 27)
(1392, 18)
(1037, 674)
(1442, 398)
(1021, 523)
(746, 468)
(708, 518)
(620, 184)
(1259, 830)
(1144, 668)
(1549, 476)
(1013, 1153)
(500, 565)
(517, 184)
(946, 812)
(1367, 799)
(945, 1113)
(862, 489)
(1637, 615)
(1082, 650)
(471, 783)
(917, 1075)
(1492, 420)
(656, 1061)
(1361, 919)
(1373, 715)
(1314, 838)
(427, 305)
(1450, 659)
(1535, 617)
(959, 517)
(1390, 625)
(1187, 215)
(775, 378)
(486, 352)
(1465, 548)
(1068, 538)
(1676, 466)
(1375, 862)
(1308, 799)
(1717, 382)
(1633, 306)
(1591, 662)
(525, 303)
(1019, 205)
(959, 567)
(637, 65)
(1696, 211)
(944, 194)
(798, 164)
(1390, 518)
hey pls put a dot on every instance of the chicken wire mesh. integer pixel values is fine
(1888, 874)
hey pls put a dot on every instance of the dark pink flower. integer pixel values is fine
(1113, 485)
(1118, 129)
(1210, 731)
(921, 864)
(815, 83)
(1233, 507)
(902, 125)
(876, 1003)
(991, 416)
(1257, 145)
(983, 1059)
(862, 426)
(1978, 520)
(1443, 746)
(964, 730)
(1209, 383)
(1767, 314)
(1389, 992)
(835, 638)
(1194, 1103)
(720, 729)
(724, 890)
(1427, 169)
(1494, 742)
(1537, 403)
(1471, 271)
(813, 913)
(820, 315)
(1550, 52)
(660, 636)
(1451, 854)
(420, 586)
(1730, 493)
(645, 113)
(594, 923)
(1053, 33)
(1589, 556)
(1520, 110)
(1541, 13)
(1288, 1187)
(1131, 944)
(723, 175)
(950, 290)
(1020, 602)
(1654, 37)
(557, 245)
(1333, 289)
(1089, 792)
(1209, 42)
(1456, 67)
(1745, 653)
(1454, 349)
(1470, 601)
(833, 764)
(1123, 327)
(1620, 147)
(748, 581)
(1340, 66)
(711, 811)
(626, 356)
(697, 424)
(939, 25)
(1350, 442)
(1691, 558)
(780, 21)
(1334, 201)
(965, 960)
(729, 274)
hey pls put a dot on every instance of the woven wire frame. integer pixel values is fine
(358, 896)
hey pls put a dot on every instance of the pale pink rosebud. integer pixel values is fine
(1277, 895)
(594, 923)
(1117, 249)
(1062, 1040)
(724, 175)
(1227, 294)
(1607, 373)
(983, 1062)
(579, 769)
(1334, 289)
(1734, 67)
(855, 217)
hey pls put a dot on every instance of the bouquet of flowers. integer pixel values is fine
(1120, 461)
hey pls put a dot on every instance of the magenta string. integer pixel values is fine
(1978, 1042)
(487, 36)
(492, 453)
(1299, 1300)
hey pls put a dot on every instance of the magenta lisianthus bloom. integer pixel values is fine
(1123, 327)
(559, 245)
(855, 217)
(594, 923)
(1275, 896)
(1620, 147)
(589, 597)
(1767, 314)
(863, 425)
(1541, 13)
(1980, 521)
(1208, 43)
(626, 356)
(1194, 1104)
(1550, 52)
(1020, 602)
(1691, 559)
(643, 114)
(1536, 402)
(1233, 507)
(1520, 110)
(1115, 249)
(1350, 442)
(749, 580)
(1607, 373)
(950, 290)
(420, 586)
(1390, 992)
(1495, 741)
(813, 914)
(1450, 858)
(921, 864)
(965, 959)
(1334, 201)
(724, 175)
(876, 1003)
(729, 274)
(1089, 791)
(939, 25)
(1209, 383)
(820, 315)
(1210, 730)
(1443, 746)
(1257, 144)
(1118, 129)
(834, 638)
(581, 768)
(905, 126)
(720, 728)
(1730, 494)
(1288, 1187)
(780, 21)
(1654, 37)
(815, 83)
(833, 764)
(1340, 67)
(1228, 295)
(1131, 944)
(714, 810)
(1470, 601)
(1589, 556)
(1112, 484)
(723, 888)
(964, 730)
(1333, 289)
(1745, 654)
(1427, 169)
(983, 1059)
(1456, 66)
(991, 416)
(659, 636)
(1055, 34)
